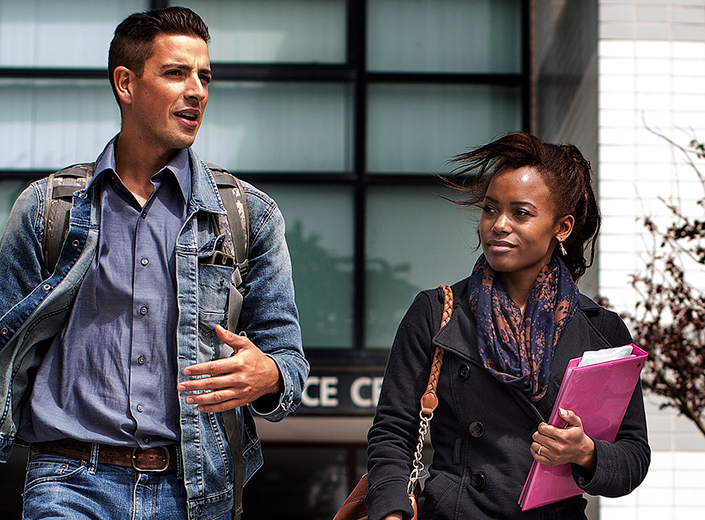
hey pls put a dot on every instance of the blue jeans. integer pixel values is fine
(62, 488)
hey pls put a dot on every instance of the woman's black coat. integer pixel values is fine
(481, 430)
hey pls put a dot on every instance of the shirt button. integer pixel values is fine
(143, 310)
(75, 243)
(477, 429)
(143, 215)
(140, 408)
(141, 360)
(144, 261)
(464, 372)
(4, 331)
(147, 440)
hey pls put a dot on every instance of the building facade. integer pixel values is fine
(346, 111)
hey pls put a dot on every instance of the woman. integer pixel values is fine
(518, 320)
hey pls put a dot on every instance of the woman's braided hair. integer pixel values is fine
(564, 170)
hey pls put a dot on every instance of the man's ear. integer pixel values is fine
(122, 77)
(565, 227)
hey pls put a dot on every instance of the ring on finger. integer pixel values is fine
(539, 452)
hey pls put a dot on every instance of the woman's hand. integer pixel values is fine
(554, 446)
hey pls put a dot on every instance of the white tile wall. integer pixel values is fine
(645, 86)
(657, 85)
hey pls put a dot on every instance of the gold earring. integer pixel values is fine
(561, 248)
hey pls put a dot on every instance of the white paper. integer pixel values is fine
(593, 357)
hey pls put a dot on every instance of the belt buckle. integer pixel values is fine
(156, 470)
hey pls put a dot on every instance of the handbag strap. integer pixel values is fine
(429, 400)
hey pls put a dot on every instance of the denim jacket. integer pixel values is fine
(33, 310)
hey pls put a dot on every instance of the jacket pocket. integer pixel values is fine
(213, 291)
(571, 509)
(436, 500)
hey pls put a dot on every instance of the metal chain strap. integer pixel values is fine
(429, 400)
(418, 465)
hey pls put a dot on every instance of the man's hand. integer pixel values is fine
(554, 446)
(234, 381)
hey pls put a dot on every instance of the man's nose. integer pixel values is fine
(196, 88)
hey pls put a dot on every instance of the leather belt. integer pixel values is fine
(155, 460)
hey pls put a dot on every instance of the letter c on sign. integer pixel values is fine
(356, 394)
(306, 399)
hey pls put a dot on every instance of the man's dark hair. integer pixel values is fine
(132, 43)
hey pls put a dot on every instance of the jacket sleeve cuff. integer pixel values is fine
(275, 407)
(388, 497)
(590, 481)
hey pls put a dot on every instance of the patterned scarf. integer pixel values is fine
(518, 349)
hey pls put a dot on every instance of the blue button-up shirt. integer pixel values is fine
(110, 376)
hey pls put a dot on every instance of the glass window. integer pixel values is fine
(274, 31)
(319, 232)
(415, 240)
(49, 124)
(9, 191)
(417, 128)
(303, 482)
(278, 127)
(482, 36)
(51, 34)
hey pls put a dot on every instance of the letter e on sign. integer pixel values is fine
(329, 391)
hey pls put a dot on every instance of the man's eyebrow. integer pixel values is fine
(183, 66)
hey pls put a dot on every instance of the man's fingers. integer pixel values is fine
(209, 368)
(224, 334)
(236, 341)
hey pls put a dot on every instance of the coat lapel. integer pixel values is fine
(459, 337)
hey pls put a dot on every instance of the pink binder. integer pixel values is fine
(599, 394)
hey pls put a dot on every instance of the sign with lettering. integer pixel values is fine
(341, 393)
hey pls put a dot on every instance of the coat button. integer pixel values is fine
(464, 372)
(478, 481)
(477, 429)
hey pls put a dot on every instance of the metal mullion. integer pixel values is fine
(526, 65)
(447, 78)
(357, 14)
(282, 72)
(408, 179)
(52, 73)
(308, 178)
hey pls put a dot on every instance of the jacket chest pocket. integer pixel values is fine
(213, 291)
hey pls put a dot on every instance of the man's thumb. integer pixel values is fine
(231, 342)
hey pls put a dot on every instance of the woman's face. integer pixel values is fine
(518, 225)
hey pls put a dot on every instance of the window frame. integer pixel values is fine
(354, 73)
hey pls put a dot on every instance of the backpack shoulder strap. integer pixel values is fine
(236, 228)
(61, 186)
(233, 196)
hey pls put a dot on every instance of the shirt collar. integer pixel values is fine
(179, 166)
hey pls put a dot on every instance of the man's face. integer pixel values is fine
(168, 100)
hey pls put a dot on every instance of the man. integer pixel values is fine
(113, 368)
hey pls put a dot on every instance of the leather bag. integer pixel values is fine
(354, 507)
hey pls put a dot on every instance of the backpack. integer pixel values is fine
(62, 184)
